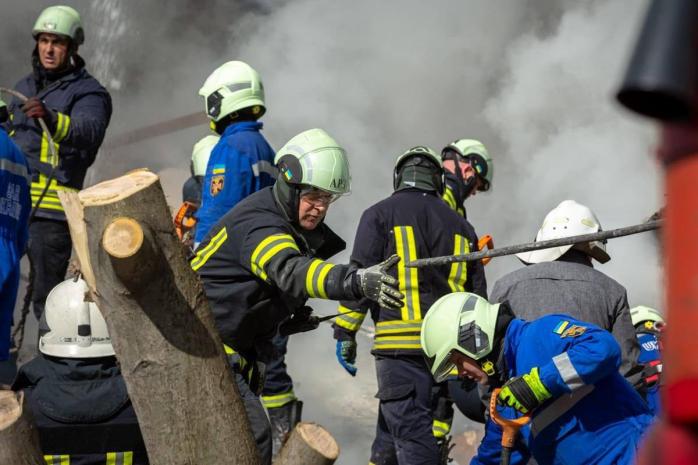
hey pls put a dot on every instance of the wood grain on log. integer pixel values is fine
(308, 444)
(19, 439)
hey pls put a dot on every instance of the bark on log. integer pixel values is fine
(308, 444)
(171, 356)
(19, 438)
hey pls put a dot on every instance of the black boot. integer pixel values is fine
(283, 419)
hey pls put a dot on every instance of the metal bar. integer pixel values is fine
(513, 249)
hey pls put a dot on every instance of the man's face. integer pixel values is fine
(468, 368)
(467, 171)
(312, 208)
(53, 51)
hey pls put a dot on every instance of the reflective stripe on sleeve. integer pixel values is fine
(278, 400)
(349, 319)
(567, 372)
(120, 458)
(202, 255)
(14, 168)
(459, 270)
(408, 277)
(440, 429)
(57, 459)
(267, 249)
(62, 127)
(315, 278)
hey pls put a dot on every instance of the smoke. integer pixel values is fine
(533, 80)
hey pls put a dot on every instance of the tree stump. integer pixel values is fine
(19, 439)
(308, 444)
(171, 356)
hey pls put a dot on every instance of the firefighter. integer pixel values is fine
(413, 223)
(564, 279)
(75, 389)
(649, 325)
(262, 261)
(243, 161)
(469, 169)
(561, 370)
(15, 206)
(77, 110)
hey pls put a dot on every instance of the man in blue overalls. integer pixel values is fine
(561, 370)
(649, 324)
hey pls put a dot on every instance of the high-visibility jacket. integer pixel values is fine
(83, 108)
(82, 411)
(242, 162)
(412, 224)
(258, 268)
(594, 415)
(15, 206)
(453, 194)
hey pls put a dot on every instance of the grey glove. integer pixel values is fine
(379, 286)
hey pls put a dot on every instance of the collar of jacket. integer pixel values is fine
(44, 78)
(414, 190)
(576, 256)
(242, 126)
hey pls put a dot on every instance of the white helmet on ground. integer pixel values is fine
(78, 329)
(567, 219)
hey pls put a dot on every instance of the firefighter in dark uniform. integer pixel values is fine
(77, 110)
(468, 168)
(413, 222)
(262, 261)
(75, 389)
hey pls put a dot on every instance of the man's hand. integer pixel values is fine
(379, 286)
(524, 393)
(346, 355)
(301, 321)
(35, 108)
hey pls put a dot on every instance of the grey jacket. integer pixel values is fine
(570, 287)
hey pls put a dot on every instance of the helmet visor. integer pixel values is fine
(481, 168)
(443, 371)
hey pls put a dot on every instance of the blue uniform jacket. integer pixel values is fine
(241, 163)
(15, 207)
(649, 353)
(83, 108)
(594, 416)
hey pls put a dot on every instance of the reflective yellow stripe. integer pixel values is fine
(205, 253)
(459, 270)
(409, 283)
(349, 319)
(62, 127)
(397, 342)
(120, 458)
(278, 400)
(440, 429)
(266, 249)
(398, 326)
(50, 200)
(449, 198)
(315, 278)
(57, 459)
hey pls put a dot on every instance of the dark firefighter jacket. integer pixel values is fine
(83, 109)
(258, 269)
(453, 194)
(82, 411)
(412, 224)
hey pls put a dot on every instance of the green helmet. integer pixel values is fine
(231, 87)
(641, 314)
(2, 103)
(61, 20)
(476, 153)
(460, 321)
(313, 158)
(426, 177)
(201, 153)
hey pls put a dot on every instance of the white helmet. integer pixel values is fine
(231, 87)
(201, 153)
(78, 329)
(567, 219)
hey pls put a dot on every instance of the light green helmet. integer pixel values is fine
(313, 158)
(61, 20)
(231, 87)
(2, 103)
(462, 322)
(642, 314)
(201, 153)
(476, 153)
(419, 150)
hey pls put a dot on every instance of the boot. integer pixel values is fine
(283, 419)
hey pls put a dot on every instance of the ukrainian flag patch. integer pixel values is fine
(561, 326)
(218, 169)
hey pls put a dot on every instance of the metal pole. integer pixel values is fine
(513, 249)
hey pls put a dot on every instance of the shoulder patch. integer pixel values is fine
(217, 182)
(564, 329)
(560, 328)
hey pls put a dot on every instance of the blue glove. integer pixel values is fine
(346, 355)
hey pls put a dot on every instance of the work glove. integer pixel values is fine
(524, 393)
(651, 375)
(346, 355)
(379, 286)
(35, 108)
(301, 321)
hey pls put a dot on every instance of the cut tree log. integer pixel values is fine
(308, 444)
(171, 356)
(19, 438)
